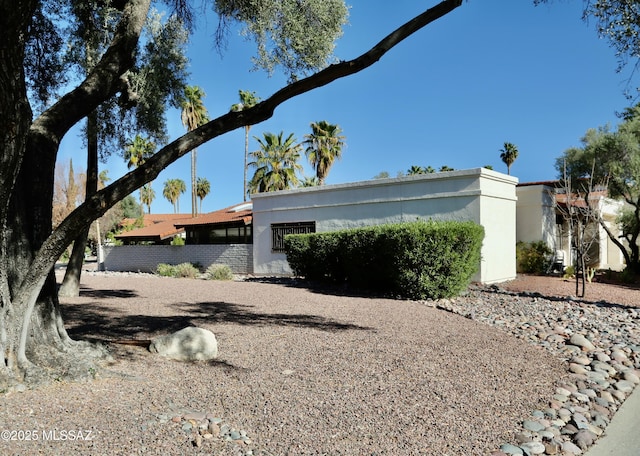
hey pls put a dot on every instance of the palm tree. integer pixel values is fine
(247, 100)
(324, 146)
(136, 153)
(309, 182)
(416, 170)
(194, 114)
(203, 187)
(173, 188)
(147, 195)
(508, 154)
(276, 163)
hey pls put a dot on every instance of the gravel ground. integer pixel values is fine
(300, 372)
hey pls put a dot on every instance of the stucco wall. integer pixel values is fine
(536, 215)
(145, 258)
(484, 196)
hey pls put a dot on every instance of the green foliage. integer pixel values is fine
(219, 272)
(276, 163)
(533, 257)
(177, 240)
(130, 207)
(418, 260)
(297, 36)
(182, 270)
(611, 160)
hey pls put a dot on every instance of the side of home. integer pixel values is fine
(480, 195)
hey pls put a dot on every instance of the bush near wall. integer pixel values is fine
(533, 257)
(417, 260)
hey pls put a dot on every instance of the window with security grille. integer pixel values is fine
(280, 230)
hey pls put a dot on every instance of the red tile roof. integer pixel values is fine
(237, 213)
(156, 227)
(162, 226)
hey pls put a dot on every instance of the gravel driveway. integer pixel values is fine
(300, 372)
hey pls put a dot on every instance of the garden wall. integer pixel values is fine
(145, 258)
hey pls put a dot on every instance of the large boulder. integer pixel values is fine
(188, 344)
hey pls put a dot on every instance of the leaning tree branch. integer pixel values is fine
(99, 203)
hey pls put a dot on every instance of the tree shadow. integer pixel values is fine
(100, 322)
(326, 288)
(103, 294)
(535, 294)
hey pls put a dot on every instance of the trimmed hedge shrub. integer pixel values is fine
(418, 260)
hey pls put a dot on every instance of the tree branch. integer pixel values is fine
(99, 203)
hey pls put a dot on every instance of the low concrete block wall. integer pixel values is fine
(145, 258)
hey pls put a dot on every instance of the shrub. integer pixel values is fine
(219, 272)
(182, 270)
(186, 270)
(533, 257)
(177, 240)
(165, 270)
(416, 260)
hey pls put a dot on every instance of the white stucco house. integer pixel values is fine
(484, 196)
(538, 218)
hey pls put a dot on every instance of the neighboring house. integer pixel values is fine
(231, 225)
(157, 229)
(480, 195)
(539, 216)
(220, 237)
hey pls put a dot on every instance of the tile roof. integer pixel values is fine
(162, 226)
(237, 213)
(156, 228)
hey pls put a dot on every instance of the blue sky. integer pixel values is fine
(452, 94)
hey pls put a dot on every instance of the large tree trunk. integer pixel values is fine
(71, 283)
(33, 341)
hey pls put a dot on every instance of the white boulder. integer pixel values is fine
(188, 344)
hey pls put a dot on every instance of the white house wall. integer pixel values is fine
(480, 195)
(536, 215)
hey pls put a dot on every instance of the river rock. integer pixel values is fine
(188, 344)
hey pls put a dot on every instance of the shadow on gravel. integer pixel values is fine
(96, 322)
(323, 288)
(92, 293)
(494, 289)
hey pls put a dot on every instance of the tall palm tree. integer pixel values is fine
(173, 188)
(276, 163)
(508, 154)
(247, 100)
(147, 195)
(136, 153)
(194, 114)
(203, 187)
(324, 146)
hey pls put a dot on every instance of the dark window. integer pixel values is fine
(280, 230)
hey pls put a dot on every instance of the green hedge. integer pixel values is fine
(418, 260)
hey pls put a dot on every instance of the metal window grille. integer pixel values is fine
(280, 230)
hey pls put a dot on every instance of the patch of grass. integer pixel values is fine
(219, 272)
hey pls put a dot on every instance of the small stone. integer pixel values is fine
(624, 386)
(577, 368)
(584, 439)
(532, 426)
(581, 341)
(532, 448)
(552, 447)
(630, 376)
(197, 441)
(511, 449)
(195, 416)
(571, 448)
